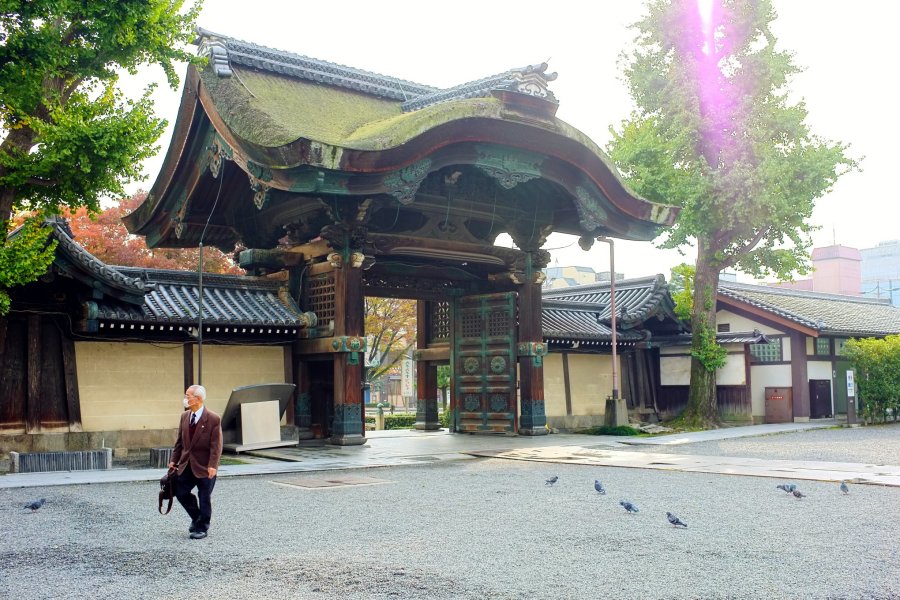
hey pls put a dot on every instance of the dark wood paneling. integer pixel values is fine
(33, 365)
(52, 405)
(13, 375)
(733, 401)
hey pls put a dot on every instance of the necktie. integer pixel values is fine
(193, 419)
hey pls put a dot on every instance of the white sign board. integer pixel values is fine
(851, 385)
(407, 377)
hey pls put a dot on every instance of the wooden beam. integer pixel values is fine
(567, 383)
(755, 313)
(435, 354)
(70, 372)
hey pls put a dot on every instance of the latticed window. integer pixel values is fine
(320, 297)
(440, 322)
(471, 324)
(823, 346)
(498, 323)
(762, 353)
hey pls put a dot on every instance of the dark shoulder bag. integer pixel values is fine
(167, 490)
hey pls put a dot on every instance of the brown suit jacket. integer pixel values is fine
(201, 451)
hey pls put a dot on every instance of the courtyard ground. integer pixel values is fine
(474, 529)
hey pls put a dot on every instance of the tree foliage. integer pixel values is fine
(681, 284)
(24, 258)
(877, 366)
(716, 133)
(105, 236)
(391, 332)
(69, 136)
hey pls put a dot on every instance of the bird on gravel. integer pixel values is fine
(845, 489)
(552, 480)
(628, 506)
(675, 521)
(787, 487)
(599, 487)
(798, 494)
(34, 506)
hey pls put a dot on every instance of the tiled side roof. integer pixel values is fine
(636, 299)
(227, 300)
(828, 313)
(572, 321)
(730, 337)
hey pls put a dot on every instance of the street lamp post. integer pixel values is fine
(612, 309)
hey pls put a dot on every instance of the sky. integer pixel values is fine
(847, 49)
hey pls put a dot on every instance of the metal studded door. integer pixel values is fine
(483, 363)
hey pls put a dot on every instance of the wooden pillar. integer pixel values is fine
(303, 403)
(349, 311)
(426, 374)
(70, 374)
(532, 350)
(33, 394)
(188, 359)
(799, 377)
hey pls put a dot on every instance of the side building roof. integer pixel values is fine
(817, 313)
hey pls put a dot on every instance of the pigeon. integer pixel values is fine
(599, 487)
(552, 480)
(798, 494)
(628, 506)
(675, 521)
(845, 489)
(34, 506)
(787, 487)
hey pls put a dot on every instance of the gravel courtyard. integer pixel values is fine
(474, 529)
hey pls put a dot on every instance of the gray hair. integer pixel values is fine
(200, 391)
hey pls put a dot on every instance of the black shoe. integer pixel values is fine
(198, 535)
(193, 527)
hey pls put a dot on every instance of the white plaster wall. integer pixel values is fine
(129, 386)
(554, 386)
(675, 370)
(763, 376)
(734, 371)
(590, 382)
(819, 369)
(229, 367)
(740, 323)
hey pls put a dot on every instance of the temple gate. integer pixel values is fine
(342, 184)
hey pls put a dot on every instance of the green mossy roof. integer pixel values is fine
(271, 110)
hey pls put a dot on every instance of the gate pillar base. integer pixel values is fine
(347, 440)
(427, 414)
(537, 431)
(427, 426)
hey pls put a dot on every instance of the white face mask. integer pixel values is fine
(186, 402)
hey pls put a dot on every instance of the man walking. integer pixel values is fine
(195, 456)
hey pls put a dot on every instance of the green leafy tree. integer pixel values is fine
(391, 333)
(714, 132)
(681, 284)
(877, 366)
(69, 137)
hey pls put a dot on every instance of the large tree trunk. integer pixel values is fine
(701, 410)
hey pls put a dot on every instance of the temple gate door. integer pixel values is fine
(483, 363)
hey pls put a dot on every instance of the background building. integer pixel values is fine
(881, 271)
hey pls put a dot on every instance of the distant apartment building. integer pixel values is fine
(881, 271)
(562, 277)
(836, 270)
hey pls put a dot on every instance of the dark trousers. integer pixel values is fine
(186, 482)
